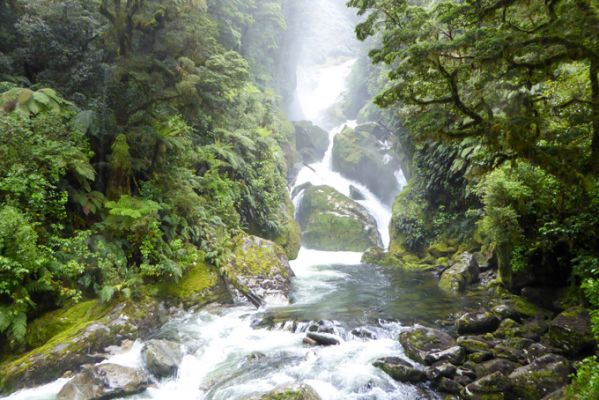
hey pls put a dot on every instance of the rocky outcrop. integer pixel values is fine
(571, 331)
(104, 381)
(331, 221)
(359, 155)
(258, 271)
(162, 357)
(462, 273)
(311, 141)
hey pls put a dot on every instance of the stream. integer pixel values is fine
(238, 352)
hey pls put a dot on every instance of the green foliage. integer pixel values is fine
(585, 385)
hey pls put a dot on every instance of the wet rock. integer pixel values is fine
(464, 272)
(537, 350)
(324, 339)
(446, 385)
(504, 311)
(292, 392)
(420, 341)
(355, 193)
(400, 370)
(310, 141)
(473, 344)
(540, 378)
(497, 365)
(559, 394)
(309, 342)
(325, 326)
(162, 357)
(491, 386)
(443, 369)
(480, 322)
(509, 353)
(358, 155)
(104, 381)
(258, 271)
(454, 355)
(480, 356)
(332, 221)
(571, 331)
(364, 333)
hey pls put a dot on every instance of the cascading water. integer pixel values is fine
(231, 353)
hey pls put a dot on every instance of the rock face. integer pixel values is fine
(311, 141)
(358, 154)
(464, 272)
(571, 331)
(162, 357)
(258, 271)
(104, 381)
(400, 370)
(302, 392)
(420, 342)
(331, 221)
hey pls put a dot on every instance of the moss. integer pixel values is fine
(441, 249)
(257, 257)
(198, 286)
(286, 395)
(51, 324)
(290, 237)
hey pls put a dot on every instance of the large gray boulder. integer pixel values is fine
(400, 370)
(104, 381)
(462, 273)
(258, 271)
(162, 357)
(332, 221)
(571, 331)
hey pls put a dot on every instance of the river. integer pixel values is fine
(237, 352)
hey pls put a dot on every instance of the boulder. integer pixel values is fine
(104, 381)
(324, 339)
(462, 273)
(446, 385)
(311, 141)
(493, 386)
(332, 221)
(454, 355)
(419, 342)
(540, 378)
(497, 365)
(359, 155)
(162, 357)
(292, 392)
(258, 271)
(479, 322)
(400, 370)
(473, 344)
(571, 331)
(443, 369)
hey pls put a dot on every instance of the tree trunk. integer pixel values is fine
(593, 71)
(504, 261)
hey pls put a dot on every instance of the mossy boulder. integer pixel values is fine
(420, 341)
(490, 387)
(258, 271)
(478, 322)
(359, 155)
(162, 357)
(311, 141)
(571, 331)
(409, 225)
(84, 331)
(332, 221)
(400, 370)
(289, 238)
(462, 273)
(542, 377)
(290, 392)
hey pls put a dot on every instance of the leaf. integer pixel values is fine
(18, 327)
(24, 97)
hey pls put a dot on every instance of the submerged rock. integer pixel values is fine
(420, 342)
(332, 221)
(104, 381)
(311, 141)
(571, 331)
(162, 357)
(464, 272)
(355, 193)
(259, 271)
(400, 370)
(323, 339)
(359, 155)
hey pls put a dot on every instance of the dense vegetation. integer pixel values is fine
(136, 138)
(500, 101)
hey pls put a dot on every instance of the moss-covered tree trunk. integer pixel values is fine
(594, 71)
(504, 255)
